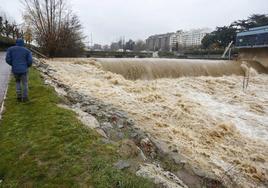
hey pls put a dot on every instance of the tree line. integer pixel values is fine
(8, 28)
(130, 45)
(222, 36)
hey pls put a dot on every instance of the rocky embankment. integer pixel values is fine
(139, 151)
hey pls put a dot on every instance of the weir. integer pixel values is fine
(253, 45)
(150, 68)
(255, 54)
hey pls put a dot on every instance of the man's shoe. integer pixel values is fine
(25, 99)
(19, 99)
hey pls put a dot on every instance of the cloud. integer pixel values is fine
(108, 20)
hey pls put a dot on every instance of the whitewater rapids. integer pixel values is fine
(209, 120)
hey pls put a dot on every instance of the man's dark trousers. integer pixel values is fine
(21, 85)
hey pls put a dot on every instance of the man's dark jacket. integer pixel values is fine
(19, 57)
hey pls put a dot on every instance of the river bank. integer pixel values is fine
(209, 121)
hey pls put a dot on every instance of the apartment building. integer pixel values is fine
(162, 42)
(170, 41)
(192, 37)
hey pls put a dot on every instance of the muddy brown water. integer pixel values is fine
(134, 69)
(255, 54)
(210, 121)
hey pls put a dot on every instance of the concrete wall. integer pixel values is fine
(256, 54)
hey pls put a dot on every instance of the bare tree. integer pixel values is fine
(28, 36)
(14, 30)
(8, 27)
(55, 28)
(1, 25)
(140, 45)
(2, 21)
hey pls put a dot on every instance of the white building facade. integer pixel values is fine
(192, 37)
(171, 41)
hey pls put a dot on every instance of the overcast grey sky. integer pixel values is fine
(108, 20)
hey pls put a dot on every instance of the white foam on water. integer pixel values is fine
(209, 120)
(249, 123)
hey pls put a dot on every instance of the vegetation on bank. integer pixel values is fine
(222, 36)
(9, 28)
(43, 145)
(114, 54)
(5, 42)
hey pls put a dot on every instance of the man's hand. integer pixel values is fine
(9, 58)
(29, 59)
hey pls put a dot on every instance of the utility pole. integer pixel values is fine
(87, 43)
(91, 36)
(124, 43)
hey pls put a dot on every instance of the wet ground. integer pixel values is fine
(4, 77)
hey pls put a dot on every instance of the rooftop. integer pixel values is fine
(254, 31)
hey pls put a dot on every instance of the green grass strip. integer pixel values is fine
(43, 145)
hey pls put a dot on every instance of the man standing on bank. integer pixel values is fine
(20, 59)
